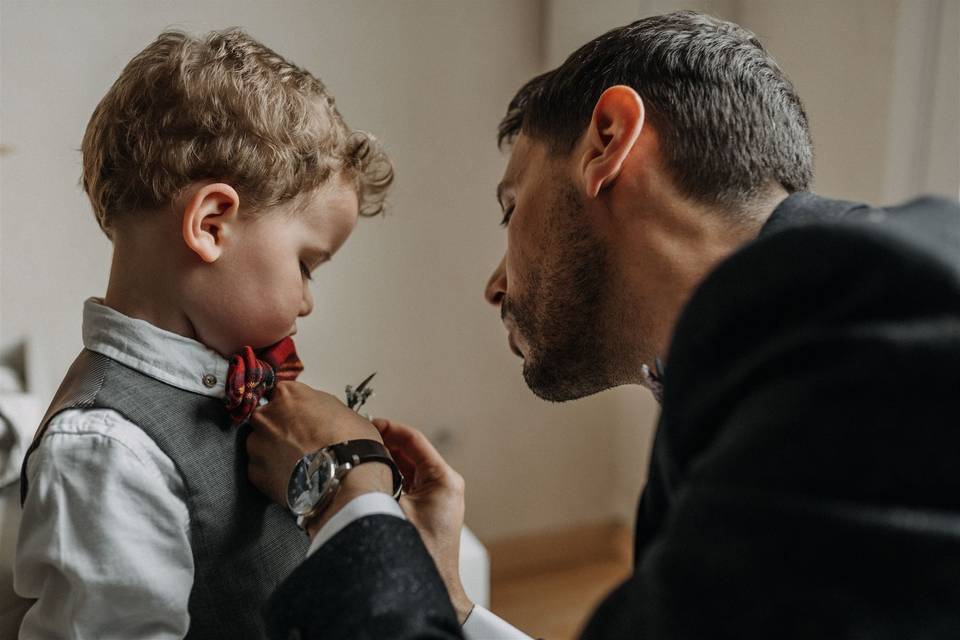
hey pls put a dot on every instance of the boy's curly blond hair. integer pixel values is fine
(221, 107)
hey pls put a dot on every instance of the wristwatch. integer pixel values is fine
(317, 476)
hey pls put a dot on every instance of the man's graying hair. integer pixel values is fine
(729, 121)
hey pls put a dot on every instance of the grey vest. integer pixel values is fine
(243, 545)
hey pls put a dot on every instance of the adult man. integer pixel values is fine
(803, 480)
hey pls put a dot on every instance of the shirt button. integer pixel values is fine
(209, 380)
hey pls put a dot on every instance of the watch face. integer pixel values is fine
(308, 480)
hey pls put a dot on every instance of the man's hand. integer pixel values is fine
(433, 501)
(299, 420)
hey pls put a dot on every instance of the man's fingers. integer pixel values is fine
(412, 442)
(407, 468)
(282, 388)
(298, 394)
(410, 447)
(291, 387)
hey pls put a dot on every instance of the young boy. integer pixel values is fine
(224, 175)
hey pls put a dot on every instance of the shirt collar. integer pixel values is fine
(168, 357)
(652, 379)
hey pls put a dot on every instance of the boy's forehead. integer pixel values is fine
(329, 215)
(337, 197)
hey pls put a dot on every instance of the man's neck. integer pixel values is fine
(693, 242)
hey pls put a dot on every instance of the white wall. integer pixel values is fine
(923, 145)
(879, 80)
(431, 78)
(405, 296)
(839, 56)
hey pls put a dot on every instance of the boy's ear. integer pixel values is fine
(208, 216)
(614, 128)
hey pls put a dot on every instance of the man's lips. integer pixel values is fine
(513, 346)
(511, 328)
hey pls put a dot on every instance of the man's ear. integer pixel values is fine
(614, 128)
(208, 216)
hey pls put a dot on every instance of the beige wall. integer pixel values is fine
(404, 296)
(923, 145)
(879, 81)
(840, 58)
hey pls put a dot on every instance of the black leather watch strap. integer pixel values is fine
(356, 452)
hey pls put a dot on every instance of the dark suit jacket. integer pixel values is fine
(805, 479)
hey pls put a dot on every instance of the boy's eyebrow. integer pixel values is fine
(316, 256)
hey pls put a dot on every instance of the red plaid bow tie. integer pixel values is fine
(252, 376)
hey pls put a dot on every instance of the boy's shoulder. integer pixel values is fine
(108, 409)
(101, 442)
(99, 427)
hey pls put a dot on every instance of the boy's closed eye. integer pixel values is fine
(305, 270)
(312, 263)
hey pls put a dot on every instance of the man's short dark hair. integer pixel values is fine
(730, 122)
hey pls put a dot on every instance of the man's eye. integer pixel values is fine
(506, 217)
(305, 271)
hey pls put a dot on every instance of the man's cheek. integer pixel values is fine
(517, 276)
(510, 264)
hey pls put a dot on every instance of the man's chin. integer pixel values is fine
(548, 386)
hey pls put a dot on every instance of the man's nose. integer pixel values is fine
(497, 285)
(306, 304)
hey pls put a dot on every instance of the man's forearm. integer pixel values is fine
(375, 478)
(372, 579)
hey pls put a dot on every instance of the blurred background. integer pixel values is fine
(552, 489)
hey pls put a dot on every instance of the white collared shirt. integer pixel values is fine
(104, 545)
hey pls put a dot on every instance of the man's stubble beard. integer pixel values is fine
(567, 317)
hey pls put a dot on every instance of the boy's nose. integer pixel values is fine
(306, 305)
(497, 285)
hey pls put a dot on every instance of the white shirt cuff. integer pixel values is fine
(368, 504)
(482, 624)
